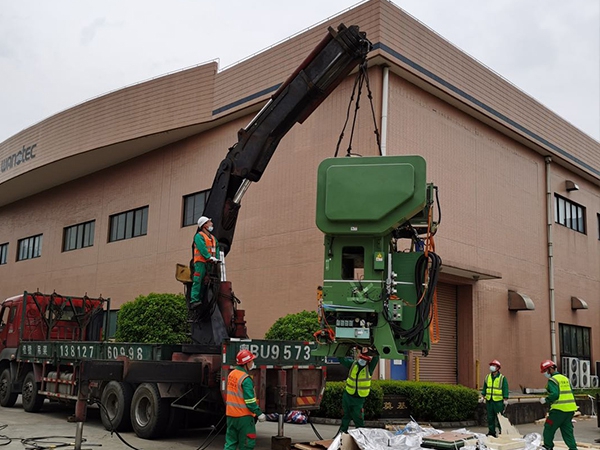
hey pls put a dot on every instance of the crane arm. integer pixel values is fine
(321, 72)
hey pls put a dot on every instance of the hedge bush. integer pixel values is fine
(435, 402)
(331, 404)
(154, 318)
(295, 327)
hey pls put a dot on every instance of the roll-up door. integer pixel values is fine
(441, 363)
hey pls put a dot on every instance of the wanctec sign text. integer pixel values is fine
(23, 155)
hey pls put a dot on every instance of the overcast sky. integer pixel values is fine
(55, 54)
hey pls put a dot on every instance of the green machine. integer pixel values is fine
(379, 271)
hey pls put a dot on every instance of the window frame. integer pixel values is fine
(571, 332)
(195, 210)
(570, 214)
(128, 224)
(3, 253)
(30, 247)
(80, 239)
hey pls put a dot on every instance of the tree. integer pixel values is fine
(295, 327)
(154, 318)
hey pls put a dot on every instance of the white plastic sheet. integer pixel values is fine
(411, 437)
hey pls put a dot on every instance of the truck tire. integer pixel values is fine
(116, 401)
(149, 412)
(32, 401)
(7, 396)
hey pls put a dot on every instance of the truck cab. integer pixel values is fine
(38, 317)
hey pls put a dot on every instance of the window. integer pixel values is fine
(78, 236)
(598, 225)
(353, 263)
(569, 214)
(3, 253)
(193, 206)
(29, 248)
(128, 224)
(574, 341)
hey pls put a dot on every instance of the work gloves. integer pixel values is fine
(262, 418)
(213, 260)
(481, 399)
(542, 400)
(505, 403)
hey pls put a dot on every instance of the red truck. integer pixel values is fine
(53, 347)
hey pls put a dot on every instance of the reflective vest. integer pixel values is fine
(235, 402)
(493, 387)
(211, 246)
(359, 380)
(566, 400)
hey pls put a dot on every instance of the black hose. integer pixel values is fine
(112, 430)
(205, 444)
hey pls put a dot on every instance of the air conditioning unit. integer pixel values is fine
(570, 369)
(585, 372)
(594, 381)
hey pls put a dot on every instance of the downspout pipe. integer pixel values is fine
(385, 94)
(549, 223)
(385, 88)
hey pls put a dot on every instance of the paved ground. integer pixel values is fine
(52, 422)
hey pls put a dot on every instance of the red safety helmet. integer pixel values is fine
(365, 357)
(496, 363)
(547, 364)
(244, 357)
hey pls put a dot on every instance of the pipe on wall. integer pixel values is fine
(384, 113)
(385, 93)
(549, 223)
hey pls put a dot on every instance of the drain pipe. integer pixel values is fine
(384, 113)
(549, 223)
(385, 93)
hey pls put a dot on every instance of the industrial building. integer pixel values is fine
(103, 198)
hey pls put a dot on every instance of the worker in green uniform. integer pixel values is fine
(562, 406)
(495, 394)
(241, 406)
(358, 387)
(206, 251)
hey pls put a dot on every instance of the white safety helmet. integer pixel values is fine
(202, 220)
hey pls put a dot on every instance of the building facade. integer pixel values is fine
(101, 198)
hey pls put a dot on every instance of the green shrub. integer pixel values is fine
(331, 405)
(153, 318)
(442, 402)
(426, 401)
(295, 327)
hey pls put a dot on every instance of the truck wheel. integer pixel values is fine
(32, 401)
(7, 396)
(149, 412)
(116, 399)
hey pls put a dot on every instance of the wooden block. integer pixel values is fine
(507, 427)
(504, 443)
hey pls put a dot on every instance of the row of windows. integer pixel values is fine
(125, 225)
(571, 215)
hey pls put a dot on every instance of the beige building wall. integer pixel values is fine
(484, 141)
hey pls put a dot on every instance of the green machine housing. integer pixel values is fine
(372, 295)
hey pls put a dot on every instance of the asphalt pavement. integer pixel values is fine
(52, 421)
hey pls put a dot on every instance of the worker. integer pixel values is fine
(358, 387)
(495, 394)
(562, 406)
(241, 406)
(206, 251)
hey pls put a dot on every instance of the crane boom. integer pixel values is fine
(321, 72)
